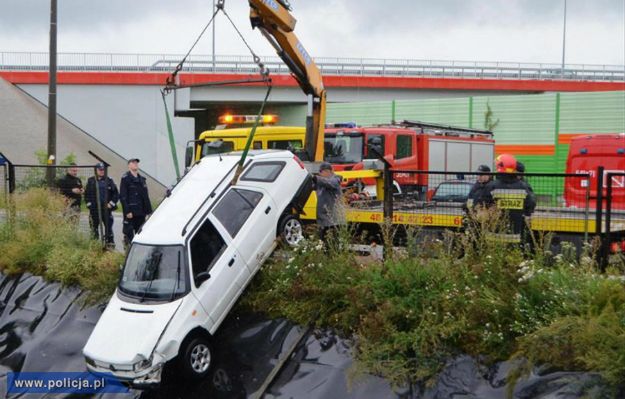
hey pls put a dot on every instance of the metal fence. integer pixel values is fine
(613, 243)
(25, 177)
(38, 61)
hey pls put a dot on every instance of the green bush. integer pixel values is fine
(42, 240)
(462, 294)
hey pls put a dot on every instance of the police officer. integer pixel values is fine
(135, 200)
(479, 196)
(513, 196)
(101, 196)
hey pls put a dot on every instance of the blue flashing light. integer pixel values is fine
(344, 125)
(583, 151)
(3, 160)
(620, 151)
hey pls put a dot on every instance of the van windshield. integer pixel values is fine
(155, 272)
(343, 148)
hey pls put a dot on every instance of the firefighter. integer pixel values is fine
(514, 197)
(135, 200)
(101, 196)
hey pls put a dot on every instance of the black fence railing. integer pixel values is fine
(613, 242)
(68, 180)
(569, 207)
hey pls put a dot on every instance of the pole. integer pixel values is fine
(51, 172)
(214, 37)
(564, 39)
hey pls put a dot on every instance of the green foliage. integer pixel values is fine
(36, 177)
(44, 241)
(489, 123)
(465, 294)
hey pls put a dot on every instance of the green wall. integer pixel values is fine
(534, 121)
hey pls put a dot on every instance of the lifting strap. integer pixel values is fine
(251, 136)
(172, 83)
(170, 134)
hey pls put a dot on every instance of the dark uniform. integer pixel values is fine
(66, 184)
(108, 196)
(517, 200)
(479, 195)
(135, 199)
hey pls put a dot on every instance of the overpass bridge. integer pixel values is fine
(116, 98)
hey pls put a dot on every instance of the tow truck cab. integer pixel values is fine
(414, 146)
(234, 130)
(586, 155)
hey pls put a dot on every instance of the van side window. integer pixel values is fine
(235, 207)
(206, 247)
(376, 141)
(404, 147)
(263, 171)
(284, 144)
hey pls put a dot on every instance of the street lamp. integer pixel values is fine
(214, 37)
(564, 39)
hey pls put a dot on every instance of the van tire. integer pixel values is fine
(291, 230)
(197, 358)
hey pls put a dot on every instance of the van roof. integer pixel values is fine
(260, 131)
(597, 143)
(166, 225)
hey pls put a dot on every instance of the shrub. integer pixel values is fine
(41, 240)
(460, 293)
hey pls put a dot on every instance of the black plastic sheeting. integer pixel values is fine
(43, 328)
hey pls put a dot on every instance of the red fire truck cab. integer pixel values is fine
(586, 155)
(410, 146)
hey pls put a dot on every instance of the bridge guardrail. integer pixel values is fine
(35, 61)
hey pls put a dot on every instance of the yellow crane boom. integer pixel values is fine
(274, 20)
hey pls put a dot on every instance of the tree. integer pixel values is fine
(489, 123)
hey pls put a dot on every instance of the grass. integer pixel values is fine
(41, 240)
(460, 294)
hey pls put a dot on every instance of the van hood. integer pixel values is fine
(128, 332)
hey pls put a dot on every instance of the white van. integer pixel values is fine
(192, 260)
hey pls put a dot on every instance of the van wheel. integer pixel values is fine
(291, 230)
(197, 358)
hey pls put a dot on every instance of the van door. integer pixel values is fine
(217, 269)
(249, 216)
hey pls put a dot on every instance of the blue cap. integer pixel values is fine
(100, 165)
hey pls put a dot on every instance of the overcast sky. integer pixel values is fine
(472, 30)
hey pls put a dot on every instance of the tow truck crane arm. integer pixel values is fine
(273, 19)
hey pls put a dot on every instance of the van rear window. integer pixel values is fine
(263, 171)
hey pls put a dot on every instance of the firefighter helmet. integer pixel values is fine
(505, 163)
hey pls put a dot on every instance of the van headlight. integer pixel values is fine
(142, 364)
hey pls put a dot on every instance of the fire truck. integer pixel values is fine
(586, 155)
(409, 146)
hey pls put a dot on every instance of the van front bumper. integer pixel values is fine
(143, 378)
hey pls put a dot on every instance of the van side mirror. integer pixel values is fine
(188, 156)
(201, 277)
